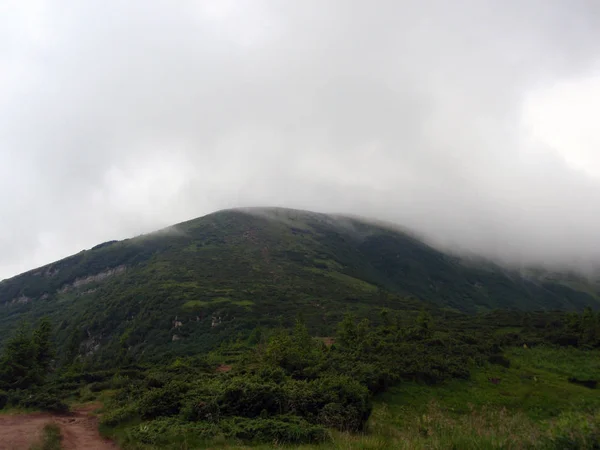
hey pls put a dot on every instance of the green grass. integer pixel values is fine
(51, 438)
(346, 280)
(242, 302)
(536, 385)
(533, 406)
(532, 400)
(192, 304)
(196, 304)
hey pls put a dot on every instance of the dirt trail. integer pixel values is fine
(79, 430)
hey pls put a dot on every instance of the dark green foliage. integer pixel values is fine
(336, 415)
(296, 353)
(162, 401)
(290, 386)
(185, 290)
(27, 357)
(117, 416)
(280, 430)
(24, 368)
(3, 399)
(500, 360)
(591, 384)
(38, 399)
(139, 318)
(249, 397)
(42, 343)
(288, 381)
(18, 363)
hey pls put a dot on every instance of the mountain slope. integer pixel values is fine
(185, 288)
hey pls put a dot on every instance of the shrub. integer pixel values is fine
(165, 401)
(248, 397)
(590, 384)
(282, 430)
(337, 393)
(499, 360)
(345, 418)
(119, 416)
(168, 431)
(3, 399)
(195, 409)
(44, 401)
(99, 386)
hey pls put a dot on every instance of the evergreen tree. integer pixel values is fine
(18, 363)
(43, 346)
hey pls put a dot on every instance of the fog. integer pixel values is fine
(473, 122)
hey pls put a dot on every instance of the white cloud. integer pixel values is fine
(564, 117)
(471, 121)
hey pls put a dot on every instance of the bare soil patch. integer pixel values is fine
(79, 430)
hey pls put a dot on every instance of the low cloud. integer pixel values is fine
(468, 121)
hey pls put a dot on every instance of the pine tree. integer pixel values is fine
(42, 342)
(18, 362)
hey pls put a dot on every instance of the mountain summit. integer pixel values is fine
(201, 281)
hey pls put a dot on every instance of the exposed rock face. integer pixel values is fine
(23, 299)
(50, 272)
(92, 344)
(93, 279)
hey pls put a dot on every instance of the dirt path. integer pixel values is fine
(79, 430)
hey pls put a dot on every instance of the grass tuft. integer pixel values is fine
(51, 438)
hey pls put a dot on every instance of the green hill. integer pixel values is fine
(188, 287)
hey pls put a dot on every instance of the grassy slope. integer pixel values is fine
(227, 272)
(532, 402)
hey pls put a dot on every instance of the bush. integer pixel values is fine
(169, 431)
(99, 386)
(282, 430)
(119, 416)
(194, 410)
(247, 397)
(499, 360)
(590, 384)
(44, 401)
(345, 418)
(162, 402)
(343, 402)
(3, 399)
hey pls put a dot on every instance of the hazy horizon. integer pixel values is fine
(472, 123)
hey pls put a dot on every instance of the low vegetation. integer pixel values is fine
(185, 290)
(373, 385)
(237, 331)
(51, 438)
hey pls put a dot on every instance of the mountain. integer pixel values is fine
(187, 287)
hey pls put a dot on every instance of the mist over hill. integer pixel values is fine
(194, 284)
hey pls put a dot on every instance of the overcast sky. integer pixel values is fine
(476, 122)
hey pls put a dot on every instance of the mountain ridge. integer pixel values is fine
(192, 285)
